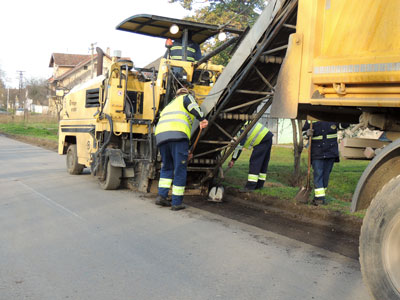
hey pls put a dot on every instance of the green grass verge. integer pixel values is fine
(45, 130)
(342, 183)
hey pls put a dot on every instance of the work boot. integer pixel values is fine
(245, 190)
(162, 201)
(260, 185)
(320, 200)
(178, 207)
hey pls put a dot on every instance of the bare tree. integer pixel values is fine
(3, 91)
(38, 90)
(58, 103)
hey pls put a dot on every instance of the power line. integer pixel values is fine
(21, 79)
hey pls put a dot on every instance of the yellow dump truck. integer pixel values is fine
(343, 64)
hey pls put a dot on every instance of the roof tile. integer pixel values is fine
(67, 60)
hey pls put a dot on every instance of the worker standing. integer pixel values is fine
(260, 139)
(324, 153)
(173, 136)
(176, 51)
(193, 52)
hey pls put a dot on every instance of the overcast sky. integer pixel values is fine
(32, 30)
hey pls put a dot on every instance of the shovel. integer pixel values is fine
(190, 156)
(304, 193)
(217, 192)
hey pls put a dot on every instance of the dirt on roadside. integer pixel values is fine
(312, 225)
(302, 212)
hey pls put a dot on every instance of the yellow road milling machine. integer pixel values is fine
(108, 122)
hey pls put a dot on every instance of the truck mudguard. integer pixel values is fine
(384, 167)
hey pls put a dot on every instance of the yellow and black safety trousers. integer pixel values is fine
(324, 153)
(258, 164)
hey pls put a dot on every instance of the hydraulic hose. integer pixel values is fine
(101, 150)
(109, 136)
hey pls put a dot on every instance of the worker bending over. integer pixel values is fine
(260, 139)
(324, 153)
(173, 136)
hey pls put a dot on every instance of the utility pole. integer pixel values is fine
(20, 87)
(92, 51)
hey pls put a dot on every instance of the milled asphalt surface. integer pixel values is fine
(62, 237)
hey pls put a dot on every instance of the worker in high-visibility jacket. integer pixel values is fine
(173, 136)
(260, 139)
(324, 153)
(176, 52)
(192, 52)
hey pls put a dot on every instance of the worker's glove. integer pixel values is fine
(309, 132)
(203, 124)
(231, 163)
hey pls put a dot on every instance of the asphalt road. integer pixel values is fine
(62, 237)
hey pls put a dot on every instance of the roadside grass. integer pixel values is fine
(342, 183)
(38, 126)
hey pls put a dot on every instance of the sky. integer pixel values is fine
(32, 30)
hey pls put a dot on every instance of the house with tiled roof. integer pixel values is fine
(63, 62)
(72, 69)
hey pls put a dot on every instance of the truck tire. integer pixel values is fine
(112, 179)
(73, 167)
(380, 243)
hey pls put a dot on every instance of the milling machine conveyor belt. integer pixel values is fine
(247, 81)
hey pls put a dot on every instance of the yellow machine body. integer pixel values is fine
(82, 121)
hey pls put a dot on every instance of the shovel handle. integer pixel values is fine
(309, 159)
(195, 142)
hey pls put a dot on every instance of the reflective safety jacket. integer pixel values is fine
(324, 140)
(253, 138)
(193, 52)
(176, 119)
